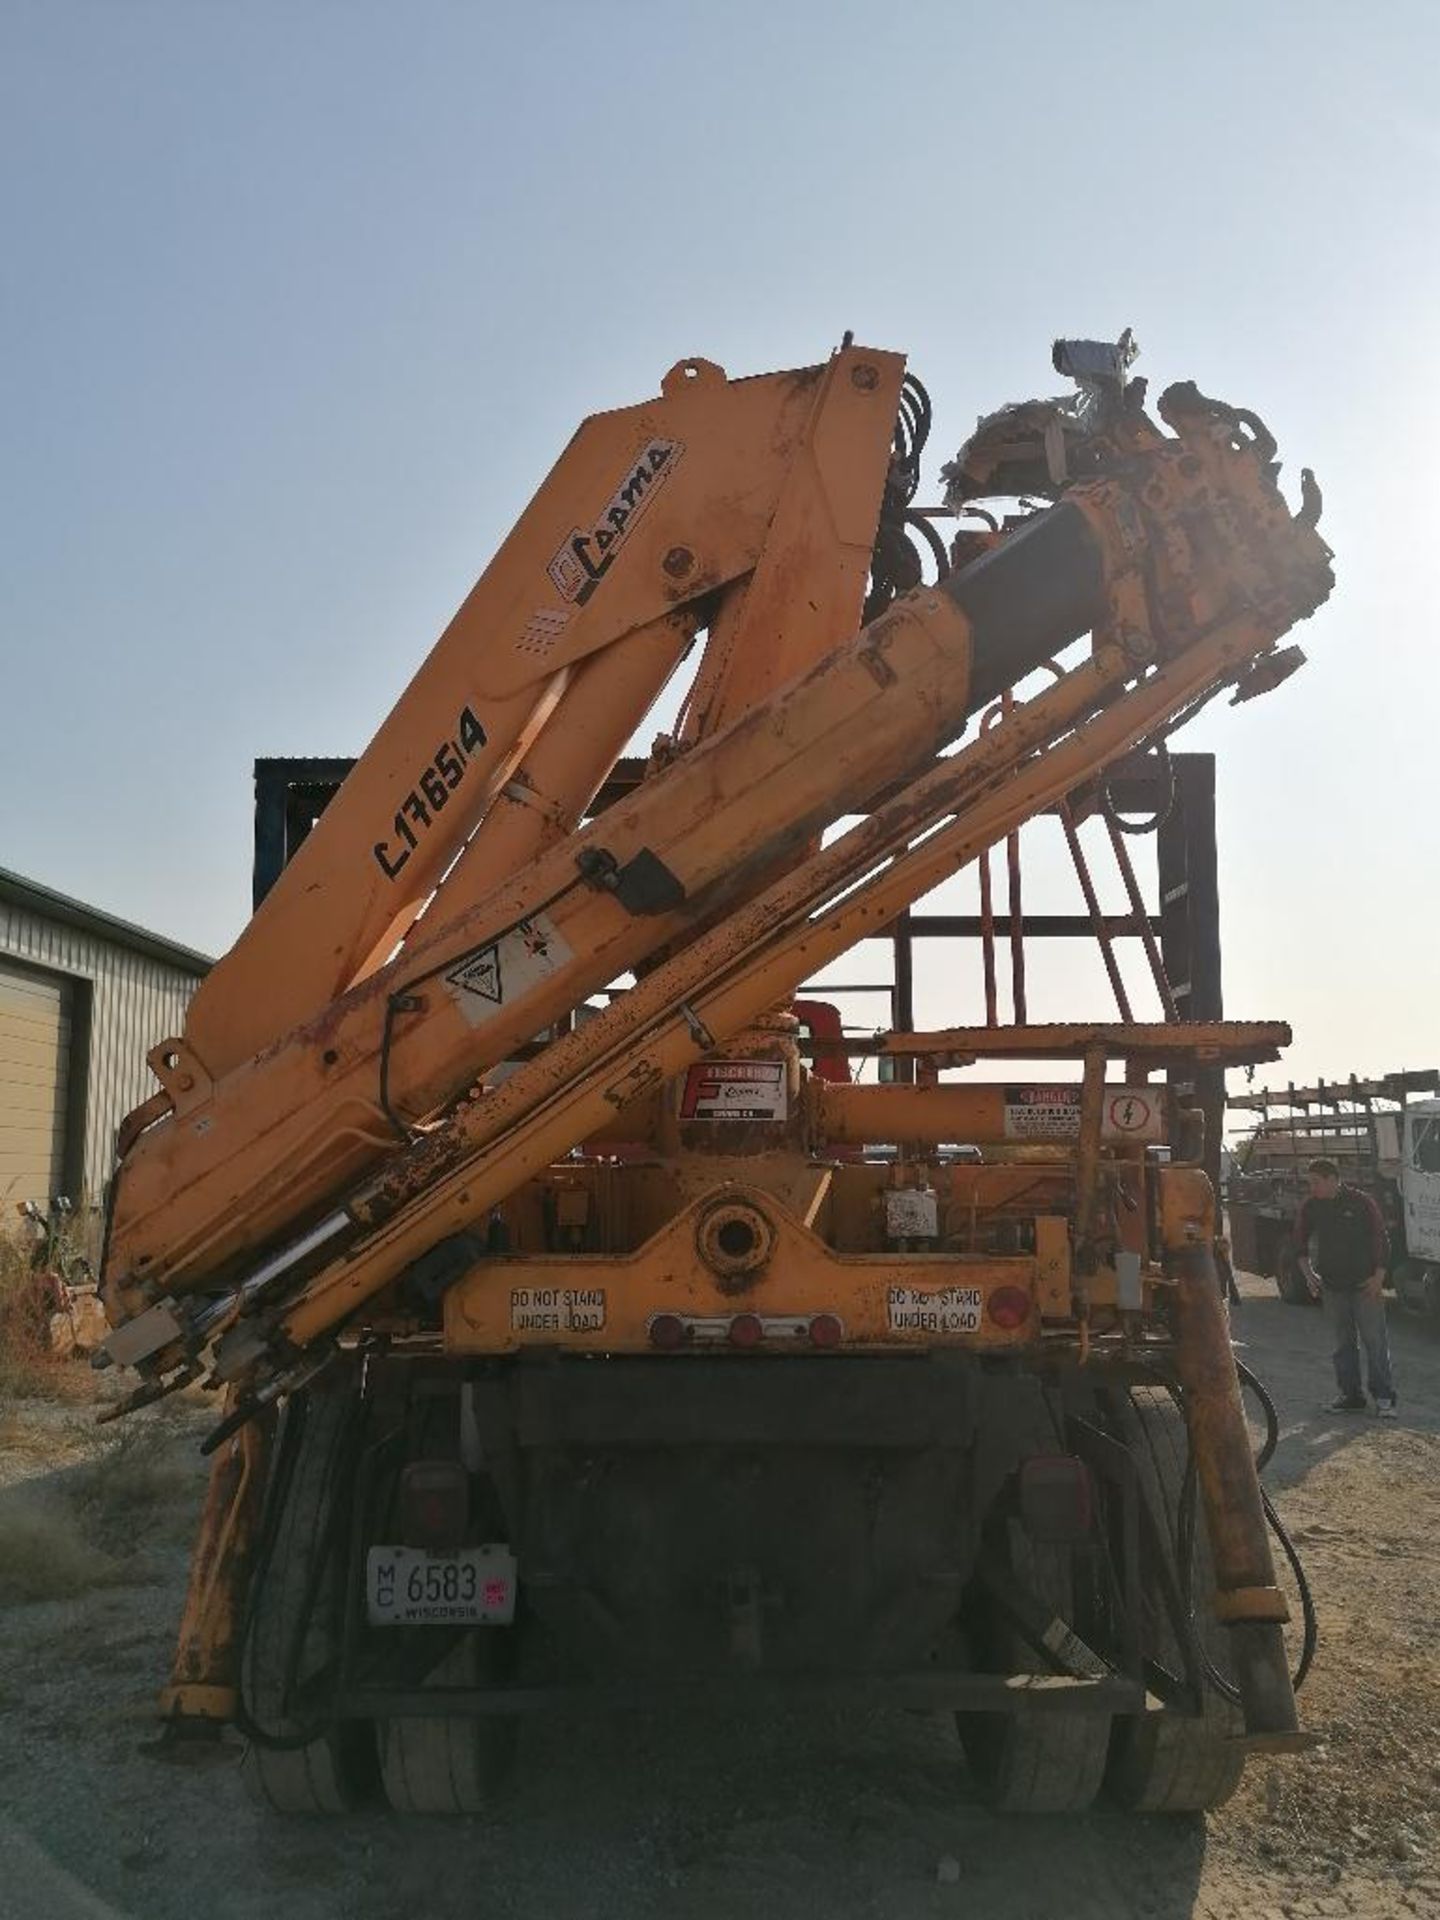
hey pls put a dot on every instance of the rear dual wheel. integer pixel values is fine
(1050, 1761)
(303, 1762)
(450, 1763)
(1028, 1761)
(1165, 1762)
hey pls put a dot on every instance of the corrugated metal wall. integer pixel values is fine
(134, 1001)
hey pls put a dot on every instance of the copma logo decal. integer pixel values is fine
(587, 556)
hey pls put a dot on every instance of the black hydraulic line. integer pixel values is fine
(1277, 1525)
(1162, 813)
(971, 510)
(1185, 1534)
(932, 539)
(1272, 1417)
(1311, 1636)
(1185, 1544)
(892, 570)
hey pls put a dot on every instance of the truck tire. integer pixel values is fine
(1292, 1285)
(331, 1772)
(1035, 1762)
(1417, 1287)
(1167, 1762)
(452, 1764)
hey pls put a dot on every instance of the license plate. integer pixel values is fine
(413, 1587)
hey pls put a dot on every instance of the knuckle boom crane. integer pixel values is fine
(508, 1293)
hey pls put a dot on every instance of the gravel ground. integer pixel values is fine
(835, 1815)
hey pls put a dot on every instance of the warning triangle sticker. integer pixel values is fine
(480, 975)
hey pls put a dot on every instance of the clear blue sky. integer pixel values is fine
(300, 302)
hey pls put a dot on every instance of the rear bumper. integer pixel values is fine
(924, 1691)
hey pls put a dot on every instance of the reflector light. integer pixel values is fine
(1009, 1307)
(434, 1503)
(825, 1330)
(667, 1331)
(746, 1330)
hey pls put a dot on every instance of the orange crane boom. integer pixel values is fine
(228, 1162)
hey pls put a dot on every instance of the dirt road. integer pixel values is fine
(835, 1815)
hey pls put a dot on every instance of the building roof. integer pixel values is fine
(17, 891)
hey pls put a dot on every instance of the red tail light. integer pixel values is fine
(434, 1504)
(746, 1330)
(1009, 1307)
(667, 1331)
(825, 1330)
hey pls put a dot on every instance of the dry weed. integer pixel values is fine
(134, 1484)
(26, 1434)
(92, 1523)
(29, 1368)
(44, 1552)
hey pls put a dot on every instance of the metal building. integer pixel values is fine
(83, 998)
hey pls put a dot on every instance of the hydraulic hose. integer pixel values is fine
(1185, 1543)
(1277, 1526)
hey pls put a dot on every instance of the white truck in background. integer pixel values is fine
(1382, 1139)
(1417, 1274)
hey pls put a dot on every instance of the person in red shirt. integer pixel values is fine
(1342, 1255)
